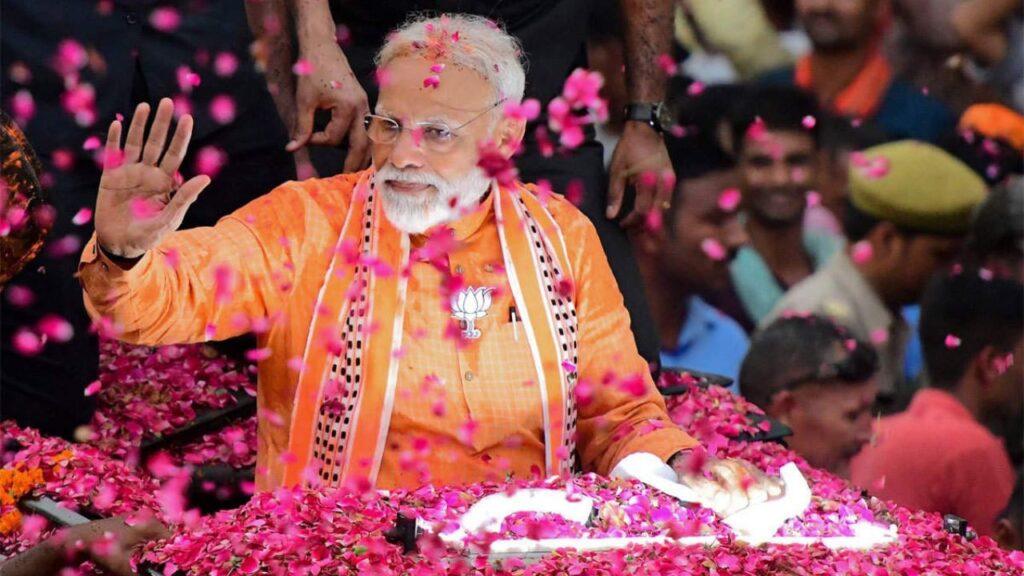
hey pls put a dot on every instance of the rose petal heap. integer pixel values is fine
(147, 391)
(77, 476)
(308, 531)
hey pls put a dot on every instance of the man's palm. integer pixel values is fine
(138, 203)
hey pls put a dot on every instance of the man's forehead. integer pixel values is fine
(772, 142)
(703, 193)
(415, 87)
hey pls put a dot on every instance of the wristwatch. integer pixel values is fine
(655, 114)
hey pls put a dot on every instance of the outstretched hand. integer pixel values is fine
(730, 485)
(139, 201)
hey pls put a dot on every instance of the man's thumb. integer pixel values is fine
(303, 129)
(187, 194)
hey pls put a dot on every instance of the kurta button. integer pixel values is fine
(468, 376)
(104, 266)
(458, 268)
(488, 268)
(131, 19)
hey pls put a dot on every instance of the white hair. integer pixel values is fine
(473, 42)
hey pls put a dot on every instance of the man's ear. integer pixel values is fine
(509, 135)
(781, 406)
(886, 241)
(648, 242)
(986, 366)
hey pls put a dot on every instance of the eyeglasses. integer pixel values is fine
(436, 137)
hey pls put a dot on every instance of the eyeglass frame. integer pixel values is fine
(421, 124)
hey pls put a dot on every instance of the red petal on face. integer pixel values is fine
(862, 252)
(713, 249)
(729, 199)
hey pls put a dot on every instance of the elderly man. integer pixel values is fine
(418, 321)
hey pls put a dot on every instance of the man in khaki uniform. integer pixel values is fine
(910, 206)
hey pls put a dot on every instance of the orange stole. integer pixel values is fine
(346, 388)
(862, 97)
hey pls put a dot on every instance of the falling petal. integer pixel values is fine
(729, 199)
(165, 19)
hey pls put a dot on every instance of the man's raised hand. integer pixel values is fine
(139, 201)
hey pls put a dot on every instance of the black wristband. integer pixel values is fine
(119, 260)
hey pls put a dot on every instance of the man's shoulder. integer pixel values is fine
(568, 217)
(778, 77)
(937, 435)
(726, 330)
(295, 200)
(907, 112)
(818, 293)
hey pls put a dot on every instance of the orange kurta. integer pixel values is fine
(279, 247)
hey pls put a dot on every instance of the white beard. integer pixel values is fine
(415, 213)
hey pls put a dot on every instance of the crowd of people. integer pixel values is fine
(820, 200)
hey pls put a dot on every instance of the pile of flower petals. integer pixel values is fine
(293, 531)
(88, 481)
(712, 414)
(296, 531)
(624, 508)
(156, 390)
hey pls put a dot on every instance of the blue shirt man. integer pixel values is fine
(710, 341)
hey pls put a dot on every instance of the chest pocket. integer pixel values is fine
(499, 379)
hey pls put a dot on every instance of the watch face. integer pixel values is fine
(666, 118)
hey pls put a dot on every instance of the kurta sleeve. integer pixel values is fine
(621, 412)
(209, 283)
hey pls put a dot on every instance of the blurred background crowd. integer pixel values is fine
(844, 237)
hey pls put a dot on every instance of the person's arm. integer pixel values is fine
(648, 34)
(329, 84)
(624, 429)
(171, 287)
(274, 53)
(620, 410)
(51, 555)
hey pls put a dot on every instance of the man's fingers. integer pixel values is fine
(666, 185)
(178, 147)
(358, 147)
(303, 128)
(174, 212)
(136, 130)
(113, 147)
(710, 493)
(334, 132)
(616, 190)
(158, 132)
